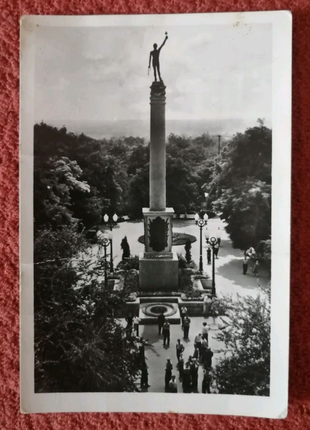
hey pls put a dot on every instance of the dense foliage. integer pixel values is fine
(241, 187)
(245, 332)
(77, 177)
(78, 344)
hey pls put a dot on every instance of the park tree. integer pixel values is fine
(241, 187)
(54, 181)
(79, 346)
(245, 331)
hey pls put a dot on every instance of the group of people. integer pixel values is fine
(188, 370)
(132, 331)
(250, 255)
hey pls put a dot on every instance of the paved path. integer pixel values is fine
(156, 354)
(228, 273)
(229, 280)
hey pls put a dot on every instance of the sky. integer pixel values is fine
(211, 72)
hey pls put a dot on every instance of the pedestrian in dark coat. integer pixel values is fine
(187, 380)
(206, 382)
(179, 348)
(181, 366)
(194, 375)
(144, 375)
(161, 320)
(186, 325)
(207, 359)
(245, 263)
(209, 255)
(166, 333)
(168, 374)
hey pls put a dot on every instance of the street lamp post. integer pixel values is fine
(111, 223)
(212, 241)
(201, 222)
(104, 241)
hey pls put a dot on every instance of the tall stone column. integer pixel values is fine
(158, 265)
(158, 147)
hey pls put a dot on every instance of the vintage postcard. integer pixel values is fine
(155, 155)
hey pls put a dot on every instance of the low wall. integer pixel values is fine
(194, 308)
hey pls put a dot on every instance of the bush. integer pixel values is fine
(129, 263)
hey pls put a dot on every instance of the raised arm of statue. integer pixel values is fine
(163, 43)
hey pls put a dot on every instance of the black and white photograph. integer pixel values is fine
(155, 213)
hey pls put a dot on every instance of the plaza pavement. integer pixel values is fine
(229, 281)
(228, 267)
(156, 354)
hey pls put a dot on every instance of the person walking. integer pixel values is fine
(136, 321)
(207, 359)
(206, 382)
(219, 236)
(166, 333)
(183, 313)
(186, 326)
(209, 255)
(181, 366)
(197, 342)
(144, 375)
(168, 373)
(173, 388)
(194, 375)
(161, 320)
(216, 250)
(255, 268)
(179, 349)
(245, 263)
(205, 330)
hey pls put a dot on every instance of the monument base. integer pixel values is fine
(158, 272)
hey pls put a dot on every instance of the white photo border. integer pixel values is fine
(274, 406)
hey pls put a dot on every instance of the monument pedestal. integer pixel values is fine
(158, 266)
(158, 272)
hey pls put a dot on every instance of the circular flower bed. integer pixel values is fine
(177, 238)
(156, 309)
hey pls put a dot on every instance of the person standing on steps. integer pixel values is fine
(154, 57)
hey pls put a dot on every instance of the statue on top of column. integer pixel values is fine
(154, 56)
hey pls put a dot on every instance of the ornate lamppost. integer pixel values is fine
(104, 242)
(201, 222)
(212, 241)
(111, 222)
